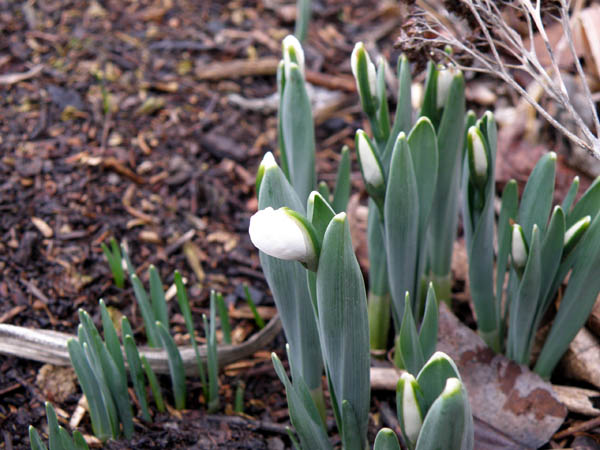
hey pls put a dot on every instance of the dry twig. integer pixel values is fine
(498, 49)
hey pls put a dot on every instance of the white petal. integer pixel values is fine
(518, 249)
(277, 234)
(268, 161)
(370, 166)
(444, 81)
(290, 42)
(479, 154)
(583, 222)
(371, 72)
(411, 413)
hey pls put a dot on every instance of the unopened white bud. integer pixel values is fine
(519, 247)
(279, 233)
(292, 53)
(411, 411)
(359, 50)
(371, 168)
(444, 81)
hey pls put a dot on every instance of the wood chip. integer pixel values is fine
(191, 254)
(582, 359)
(12, 78)
(578, 400)
(237, 69)
(43, 227)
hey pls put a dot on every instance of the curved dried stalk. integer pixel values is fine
(51, 347)
(506, 52)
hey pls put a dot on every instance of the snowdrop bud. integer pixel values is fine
(444, 81)
(575, 232)
(292, 53)
(411, 416)
(478, 157)
(369, 161)
(519, 250)
(284, 234)
(268, 162)
(365, 75)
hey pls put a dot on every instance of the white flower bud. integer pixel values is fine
(278, 233)
(411, 411)
(359, 50)
(268, 161)
(292, 53)
(575, 231)
(444, 81)
(478, 158)
(368, 160)
(519, 250)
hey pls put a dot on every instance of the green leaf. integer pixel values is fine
(224, 316)
(432, 377)
(577, 301)
(65, 441)
(298, 133)
(111, 376)
(35, 440)
(146, 310)
(429, 326)
(54, 439)
(99, 412)
(319, 213)
(257, 318)
(448, 423)
(303, 412)
(386, 439)
(551, 254)
(154, 386)
(343, 325)
(588, 204)
(157, 296)
(285, 167)
(401, 211)
(536, 201)
(524, 306)
(184, 307)
(79, 441)
(410, 347)
(137, 376)
(113, 257)
(508, 212)
(112, 340)
(323, 189)
(403, 116)
(383, 115)
(211, 355)
(570, 197)
(175, 365)
(429, 107)
(341, 193)
(444, 213)
(351, 437)
(422, 142)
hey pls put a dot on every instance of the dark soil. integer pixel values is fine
(123, 126)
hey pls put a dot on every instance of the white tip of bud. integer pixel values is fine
(575, 231)
(453, 387)
(479, 154)
(368, 161)
(411, 412)
(359, 48)
(292, 53)
(519, 247)
(277, 233)
(268, 161)
(444, 81)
